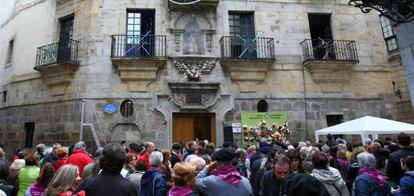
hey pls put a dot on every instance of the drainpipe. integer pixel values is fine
(304, 99)
(82, 119)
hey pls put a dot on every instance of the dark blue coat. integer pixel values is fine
(407, 184)
(153, 177)
(365, 185)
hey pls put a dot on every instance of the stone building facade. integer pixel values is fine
(247, 51)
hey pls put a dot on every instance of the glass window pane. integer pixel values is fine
(130, 15)
(237, 23)
(237, 29)
(392, 44)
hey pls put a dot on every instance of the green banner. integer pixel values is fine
(252, 119)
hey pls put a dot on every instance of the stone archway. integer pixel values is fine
(129, 133)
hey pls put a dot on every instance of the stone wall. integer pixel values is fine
(285, 85)
(54, 122)
(404, 107)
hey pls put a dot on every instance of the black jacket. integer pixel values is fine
(6, 187)
(174, 159)
(304, 185)
(295, 185)
(271, 186)
(257, 175)
(50, 157)
(394, 171)
(110, 184)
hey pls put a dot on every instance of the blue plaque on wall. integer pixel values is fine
(110, 108)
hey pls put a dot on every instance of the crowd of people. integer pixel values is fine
(336, 167)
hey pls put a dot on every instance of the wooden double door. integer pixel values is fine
(191, 126)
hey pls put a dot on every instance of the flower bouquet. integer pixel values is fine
(272, 134)
(192, 74)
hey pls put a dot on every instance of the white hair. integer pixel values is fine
(189, 157)
(18, 164)
(198, 163)
(155, 158)
(301, 144)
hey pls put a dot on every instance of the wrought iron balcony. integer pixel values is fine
(329, 50)
(61, 52)
(251, 48)
(141, 46)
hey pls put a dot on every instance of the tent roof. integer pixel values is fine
(367, 124)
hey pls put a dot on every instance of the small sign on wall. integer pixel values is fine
(110, 108)
(236, 127)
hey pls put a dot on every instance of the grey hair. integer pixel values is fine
(56, 145)
(189, 157)
(367, 160)
(251, 148)
(325, 148)
(281, 159)
(198, 163)
(80, 145)
(41, 146)
(241, 151)
(155, 158)
(341, 147)
(63, 180)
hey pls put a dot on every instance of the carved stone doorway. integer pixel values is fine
(191, 126)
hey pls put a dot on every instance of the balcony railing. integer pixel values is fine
(329, 50)
(140, 46)
(253, 48)
(64, 51)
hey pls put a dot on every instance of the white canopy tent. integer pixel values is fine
(366, 126)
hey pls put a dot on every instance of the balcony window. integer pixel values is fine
(140, 33)
(389, 34)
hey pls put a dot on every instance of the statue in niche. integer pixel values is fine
(193, 39)
(193, 45)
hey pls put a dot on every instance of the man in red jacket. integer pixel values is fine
(79, 157)
(149, 147)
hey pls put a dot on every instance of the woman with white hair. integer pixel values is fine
(369, 181)
(64, 182)
(198, 162)
(153, 182)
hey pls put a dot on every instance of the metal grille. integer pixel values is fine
(138, 46)
(329, 50)
(65, 51)
(238, 47)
